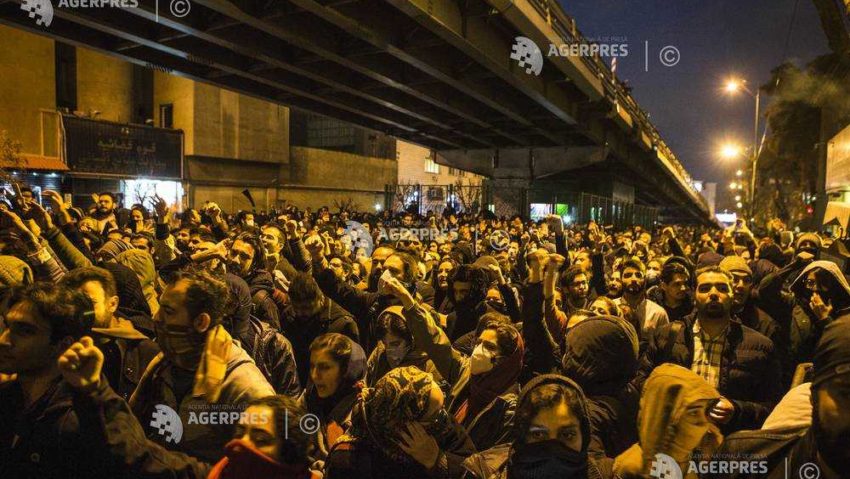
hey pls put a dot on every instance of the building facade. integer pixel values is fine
(96, 123)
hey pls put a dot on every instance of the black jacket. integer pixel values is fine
(125, 360)
(302, 331)
(274, 356)
(773, 446)
(749, 368)
(45, 439)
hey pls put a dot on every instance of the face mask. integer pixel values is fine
(547, 460)
(183, 346)
(481, 361)
(397, 354)
(249, 223)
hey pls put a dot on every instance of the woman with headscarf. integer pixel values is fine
(400, 429)
(484, 385)
(440, 279)
(396, 348)
(552, 431)
(673, 420)
(337, 365)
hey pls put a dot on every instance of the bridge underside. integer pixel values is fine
(434, 72)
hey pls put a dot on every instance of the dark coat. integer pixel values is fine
(774, 446)
(491, 464)
(274, 356)
(125, 360)
(47, 437)
(302, 331)
(750, 376)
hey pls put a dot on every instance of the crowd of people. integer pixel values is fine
(142, 343)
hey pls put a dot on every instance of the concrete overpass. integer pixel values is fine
(434, 72)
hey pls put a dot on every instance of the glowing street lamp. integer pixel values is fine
(733, 185)
(740, 205)
(737, 197)
(730, 151)
(739, 173)
(732, 86)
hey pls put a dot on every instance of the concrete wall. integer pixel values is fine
(104, 84)
(411, 168)
(181, 93)
(28, 84)
(332, 175)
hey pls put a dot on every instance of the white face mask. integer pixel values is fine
(481, 361)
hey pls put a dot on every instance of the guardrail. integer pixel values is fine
(565, 26)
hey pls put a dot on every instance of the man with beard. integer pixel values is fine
(744, 307)
(824, 448)
(107, 212)
(739, 361)
(576, 283)
(200, 366)
(245, 259)
(127, 351)
(648, 314)
(673, 292)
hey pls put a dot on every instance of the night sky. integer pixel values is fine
(716, 38)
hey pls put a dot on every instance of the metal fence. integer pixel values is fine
(574, 207)
(422, 199)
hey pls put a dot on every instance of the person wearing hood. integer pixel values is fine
(823, 447)
(268, 442)
(823, 293)
(396, 348)
(141, 262)
(400, 428)
(245, 258)
(590, 348)
(552, 437)
(337, 368)
(483, 385)
(673, 420)
(737, 360)
(467, 291)
(127, 350)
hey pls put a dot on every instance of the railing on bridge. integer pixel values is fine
(566, 27)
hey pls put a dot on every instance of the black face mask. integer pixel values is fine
(547, 460)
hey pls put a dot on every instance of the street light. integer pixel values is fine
(733, 185)
(730, 151)
(733, 86)
(739, 173)
(740, 205)
(737, 197)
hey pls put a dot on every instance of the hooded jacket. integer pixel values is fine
(669, 392)
(141, 263)
(132, 304)
(806, 328)
(378, 364)
(262, 292)
(591, 348)
(494, 463)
